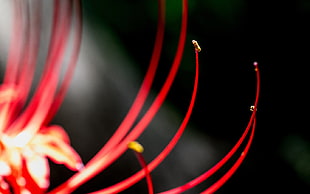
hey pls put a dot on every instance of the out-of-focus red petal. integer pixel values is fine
(38, 168)
(4, 186)
(61, 153)
(15, 159)
(5, 169)
(56, 132)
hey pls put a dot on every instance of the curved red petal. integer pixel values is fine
(38, 168)
(61, 153)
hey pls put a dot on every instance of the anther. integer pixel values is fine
(255, 65)
(135, 146)
(196, 45)
(252, 108)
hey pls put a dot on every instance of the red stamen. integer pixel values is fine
(138, 149)
(218, 184)
(15, 51)
(147, 172)
(100, 162)
(122, 185)
(149, 115)
(145, 87)
(16, 44)
(144, 90)
(59, 97)
(223, 161)
(32, 118)
(26, 66)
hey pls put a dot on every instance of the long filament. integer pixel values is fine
(224, 160)
(100, 162)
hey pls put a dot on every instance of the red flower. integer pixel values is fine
(27, 139)
(24, 166)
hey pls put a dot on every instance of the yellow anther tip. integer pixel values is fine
(252, 108)
(135, 146)
(196, 45)
(255, 65)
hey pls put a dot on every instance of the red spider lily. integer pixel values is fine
(27, 139)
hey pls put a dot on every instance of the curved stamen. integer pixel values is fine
(14, 55)
(145, 87)
(59, 97)
(155, 106)
(224, 160)
(218, 184)
(100, 161)
(144, 90)
(138, 149)
(34, 115)
(122, 185)
(15, 50)
(26, 66)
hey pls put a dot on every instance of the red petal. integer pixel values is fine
(5, 169)
(4, 186)
(38, 168)
(57, 132)
(61, 153)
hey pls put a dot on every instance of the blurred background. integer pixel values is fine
(117, 45)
